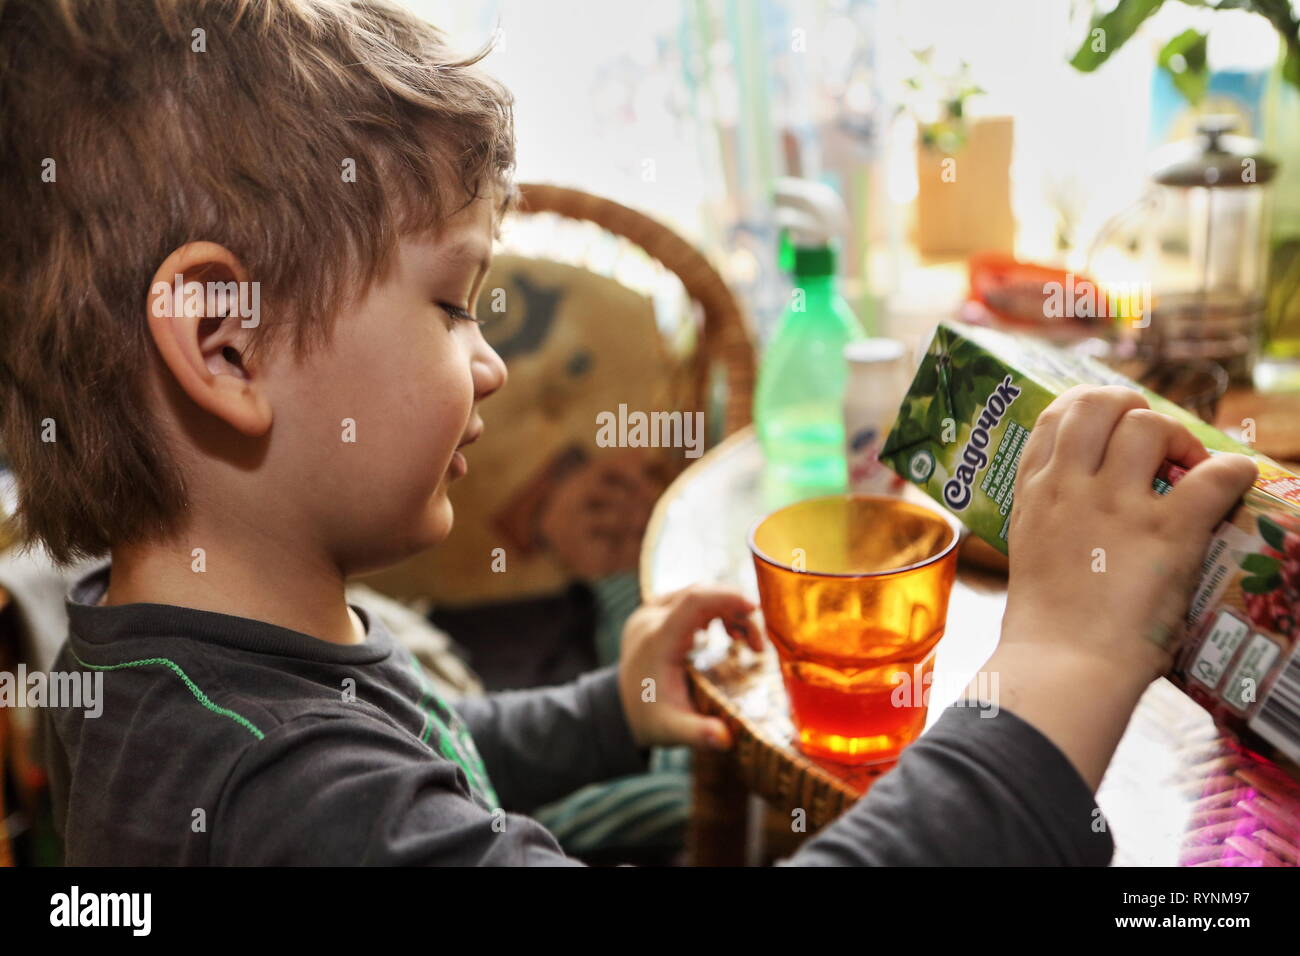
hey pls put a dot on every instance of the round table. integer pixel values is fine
(1172, 768)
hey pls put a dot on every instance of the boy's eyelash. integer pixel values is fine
(456, 312)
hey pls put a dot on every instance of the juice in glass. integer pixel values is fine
(854, 590)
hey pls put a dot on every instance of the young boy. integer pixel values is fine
(330, 178)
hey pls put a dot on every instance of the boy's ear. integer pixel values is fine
(197, 310)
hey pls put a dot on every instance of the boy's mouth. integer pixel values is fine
(459, 466)
(472, 435)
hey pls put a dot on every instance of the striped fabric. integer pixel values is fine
(646, 813)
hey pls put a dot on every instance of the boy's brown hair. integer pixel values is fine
(130, 127)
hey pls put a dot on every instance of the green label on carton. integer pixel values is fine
(971, 408)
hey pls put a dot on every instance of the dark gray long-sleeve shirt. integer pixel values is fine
(223, 740)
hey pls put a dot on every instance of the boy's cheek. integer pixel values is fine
(385, 434)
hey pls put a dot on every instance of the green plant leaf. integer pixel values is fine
(1271, 532)
(1260, 585)
(1183, 58)
(1291, 64)
(1122, 22)
(1117, 27)
(1261, 564)
(1280, 14)
(927, 378)
(1277, 12)
(934, 416)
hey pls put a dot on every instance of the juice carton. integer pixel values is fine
(959, 435)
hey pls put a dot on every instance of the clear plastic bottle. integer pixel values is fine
(798, 402)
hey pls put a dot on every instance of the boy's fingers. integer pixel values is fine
(1042, 437)
(695, 730)
(705, 602)
(1210, 489)
(669, 599)
(1087, 425)
(1038, 450)
(746, 628)
(1142, 441)
(688, 610)
(694, 607)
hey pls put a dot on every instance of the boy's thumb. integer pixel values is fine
(1211, 488)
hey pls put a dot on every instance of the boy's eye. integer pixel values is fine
(456, 312)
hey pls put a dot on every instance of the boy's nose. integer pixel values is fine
(489, 371)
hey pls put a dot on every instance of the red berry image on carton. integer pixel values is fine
(1239, 659)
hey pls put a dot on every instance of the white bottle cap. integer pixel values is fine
(873, 351)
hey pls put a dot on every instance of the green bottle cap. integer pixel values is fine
(815, 261)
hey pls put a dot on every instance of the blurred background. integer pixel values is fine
(693, 108)
(694, 168)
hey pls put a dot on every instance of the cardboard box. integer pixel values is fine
(959, 435)
(963, 201)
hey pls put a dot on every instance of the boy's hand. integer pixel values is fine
(1100, 561)
(1103, 566)
(656, 640)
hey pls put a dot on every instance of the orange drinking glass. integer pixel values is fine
(854, 590)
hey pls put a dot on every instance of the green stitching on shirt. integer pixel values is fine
(201, 697)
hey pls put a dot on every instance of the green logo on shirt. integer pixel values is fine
(454, 739)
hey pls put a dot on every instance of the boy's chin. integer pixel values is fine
(439, 519)
(434, 524)
(429, 528)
